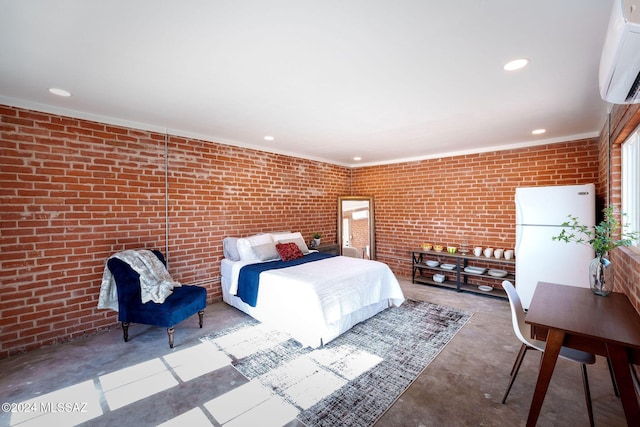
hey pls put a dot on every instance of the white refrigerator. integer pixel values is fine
(540, 211)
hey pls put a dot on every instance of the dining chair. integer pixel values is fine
(523, 332)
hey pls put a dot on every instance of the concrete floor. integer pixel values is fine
(100, 380)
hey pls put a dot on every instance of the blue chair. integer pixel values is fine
(185, 301)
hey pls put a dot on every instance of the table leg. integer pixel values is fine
(549, 359)
(622, 373)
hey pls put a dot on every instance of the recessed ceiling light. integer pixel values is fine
(269, 138)
(357, 158)
(516, 64)
(538, 131)
(59, 92)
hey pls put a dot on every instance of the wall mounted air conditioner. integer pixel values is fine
(620, 60)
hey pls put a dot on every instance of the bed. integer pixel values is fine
(316, 300)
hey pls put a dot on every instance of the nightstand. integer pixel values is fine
(329, 248)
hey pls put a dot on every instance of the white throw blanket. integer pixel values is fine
(155, 282)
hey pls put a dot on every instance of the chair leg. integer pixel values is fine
(125, 330)
(201, 317)
(515, 369)
(587, 393)
(613, 378)
(170, 331)
(515, 362)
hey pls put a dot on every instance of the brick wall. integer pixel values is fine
(469, 197)
(74, 192)
(627, 274)
(624, 119)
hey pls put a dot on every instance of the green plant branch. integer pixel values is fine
(603, 238)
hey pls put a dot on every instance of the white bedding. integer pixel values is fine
(317, 301)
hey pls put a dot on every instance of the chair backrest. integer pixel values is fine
(128, 283)
(351, 252)
(521, 329)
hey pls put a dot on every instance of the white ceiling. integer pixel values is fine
(332, 79)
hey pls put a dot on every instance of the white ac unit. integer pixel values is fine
(620, 60)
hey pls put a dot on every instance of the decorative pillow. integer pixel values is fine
(246, 245)
(289, 251)
(291, 237)
(266, 252)
(299, 242)
(230, 248)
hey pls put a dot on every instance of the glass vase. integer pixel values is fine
(601, 275)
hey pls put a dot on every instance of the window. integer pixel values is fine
(631, 182)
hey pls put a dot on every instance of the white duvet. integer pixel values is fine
(323, 292)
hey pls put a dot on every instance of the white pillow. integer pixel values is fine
(246, 244)
(230, 248)
(291, 237)
(299, 242)
(266, 252)
(283, 235)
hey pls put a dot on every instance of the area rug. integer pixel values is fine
(355, 378)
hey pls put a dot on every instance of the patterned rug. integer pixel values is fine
(355, 378)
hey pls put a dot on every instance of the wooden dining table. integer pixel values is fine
(575, 317)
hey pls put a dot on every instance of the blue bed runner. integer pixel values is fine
(249, 277)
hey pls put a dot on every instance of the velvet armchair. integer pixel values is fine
(184, 302)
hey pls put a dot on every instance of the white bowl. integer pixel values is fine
(438, 278)
(432, 263)
(497, 273)
(475, 270)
